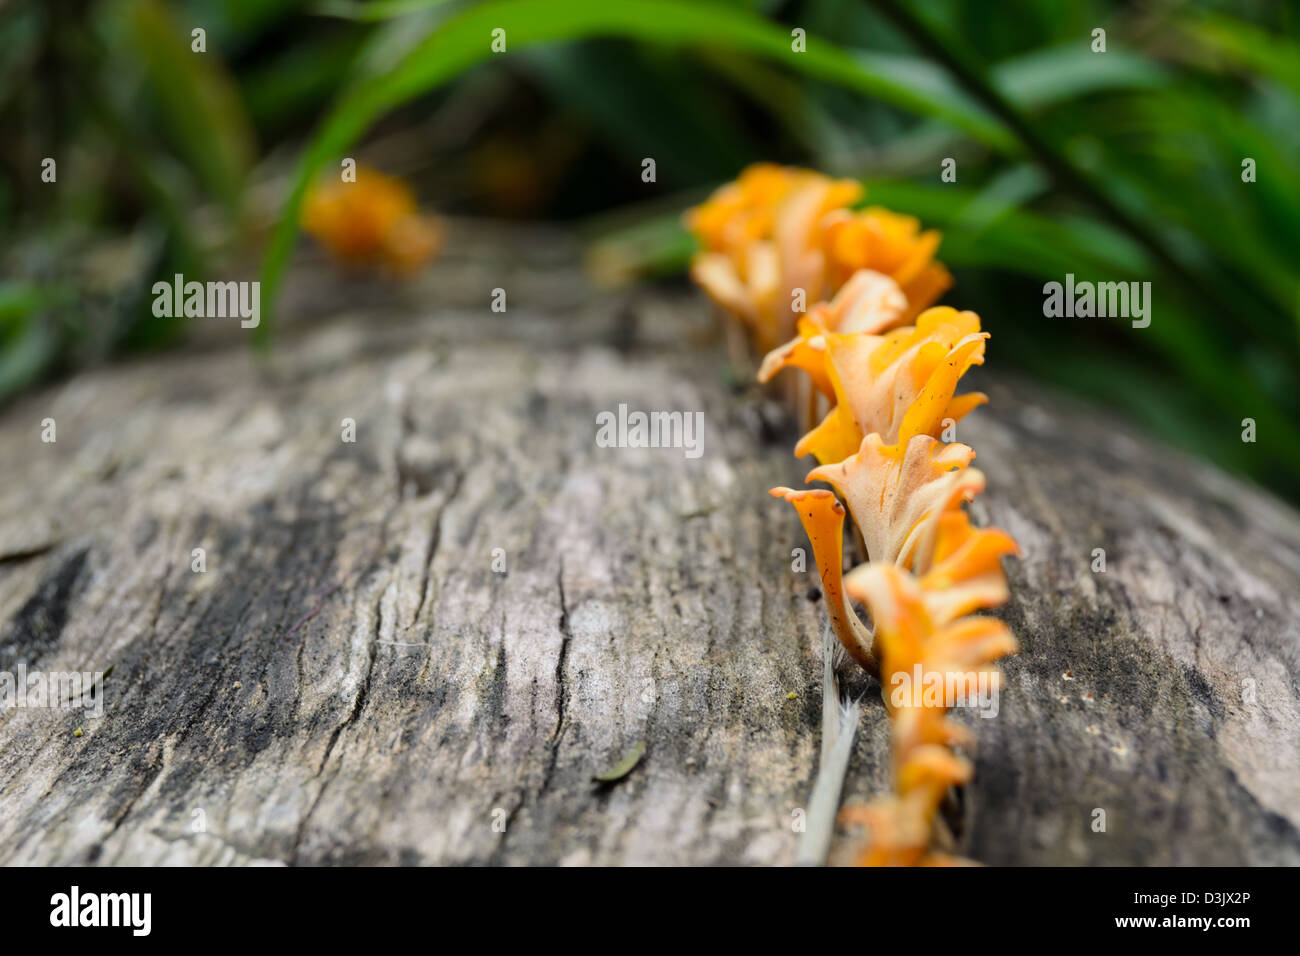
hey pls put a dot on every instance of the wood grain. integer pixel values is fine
(350, 681)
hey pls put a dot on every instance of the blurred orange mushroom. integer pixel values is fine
(373, 221)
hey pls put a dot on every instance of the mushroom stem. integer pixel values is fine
(823, 520)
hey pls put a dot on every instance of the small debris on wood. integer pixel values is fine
(624, 766)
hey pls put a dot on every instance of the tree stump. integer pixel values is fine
(421, 646)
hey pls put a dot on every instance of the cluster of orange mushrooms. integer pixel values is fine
(845, 296)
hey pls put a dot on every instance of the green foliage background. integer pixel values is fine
(1117, 166)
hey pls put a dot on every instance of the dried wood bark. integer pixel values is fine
(351, 681)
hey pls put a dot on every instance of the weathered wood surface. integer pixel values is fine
(350, 681)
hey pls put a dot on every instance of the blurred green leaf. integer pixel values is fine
(1248, 46)
(27, 344)
(200, 102)
(1051, 75)
(375, 10)
(17, 301)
